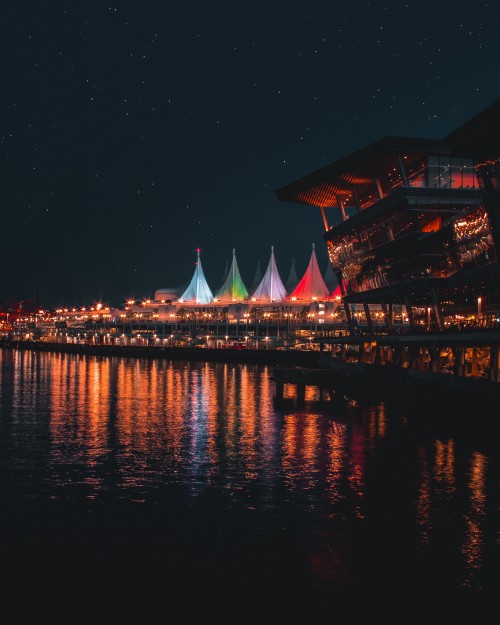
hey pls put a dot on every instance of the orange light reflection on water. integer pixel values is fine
(472, 548)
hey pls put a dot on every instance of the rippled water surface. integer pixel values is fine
(140, 470)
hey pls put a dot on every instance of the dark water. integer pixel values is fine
(151, 475)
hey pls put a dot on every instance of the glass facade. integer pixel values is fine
(424, 237)
(440, 172)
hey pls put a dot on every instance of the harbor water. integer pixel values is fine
(152, 473)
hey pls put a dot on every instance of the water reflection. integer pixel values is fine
(97, 429)
(475, 517)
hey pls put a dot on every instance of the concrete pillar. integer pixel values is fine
(434, 355)
(378, 187)
(409, 312)
(414, 356)
(459, 364)
(402, 170)
(338, 275)
(350, 320)
(368, 317)
(475, 363)
(343, 352)
(387, 315)
(356, 199)
(437, 309)
(342, 208)
(493, 363)
(325, 220)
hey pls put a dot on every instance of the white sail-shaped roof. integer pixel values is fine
(198, 290)
(233, 289)
(293, 279)
(271, 288)
(312, 286)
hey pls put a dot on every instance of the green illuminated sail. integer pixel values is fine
(233, 289)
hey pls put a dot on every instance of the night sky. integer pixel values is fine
(135, 132)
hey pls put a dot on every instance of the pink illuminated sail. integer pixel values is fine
(312, 285)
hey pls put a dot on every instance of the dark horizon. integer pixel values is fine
(134, 135)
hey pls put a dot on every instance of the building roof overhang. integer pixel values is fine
(322, 187)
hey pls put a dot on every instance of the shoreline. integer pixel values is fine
(373, 379)
(245, 356)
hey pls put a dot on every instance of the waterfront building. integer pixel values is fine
(412, 226)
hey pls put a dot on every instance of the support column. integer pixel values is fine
(437, 308)
(397, 355)
(402, 170)
(378, 187)
(434, 353)
(475, 363)
(414, 352)
(325, 220)
(347, 309)
(350, 320)
(409, 311)
(459, 364)
(494, 361)
(387, 316)
(338, 275)
(356, 199)
(342, 208)
(343, 352)
(368, 317)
